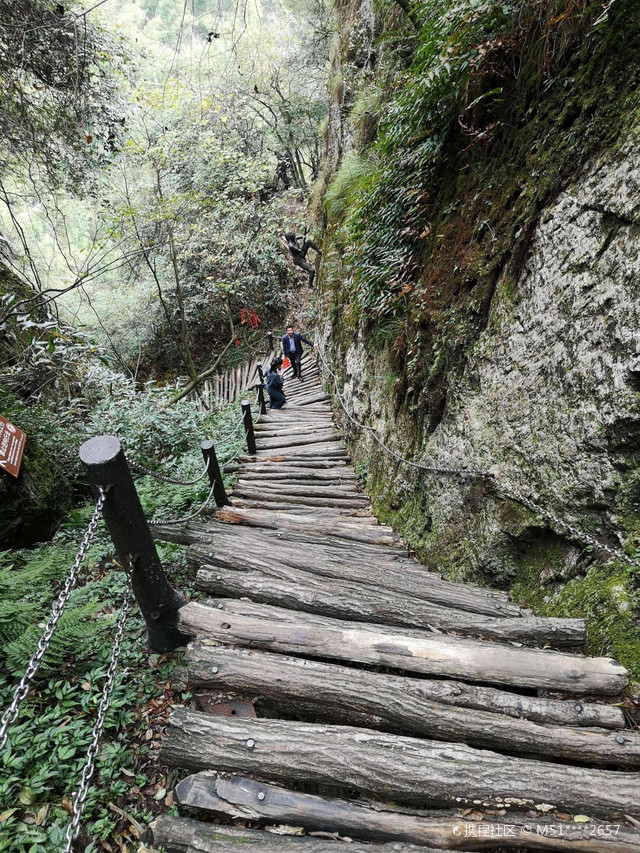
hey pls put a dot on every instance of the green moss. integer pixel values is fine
(605, 596)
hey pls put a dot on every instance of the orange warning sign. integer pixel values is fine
(12, 442)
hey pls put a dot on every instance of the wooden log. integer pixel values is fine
(279, 584)
(182, 835)
(326, 450)
(312, 506)
(271, 519)
(275, 463)
(368, 566)
(251, 800)
(476, 660)
(337, 476)
(271, 497)
(305, 489)
(562, 712)
(294, 428)
(395, 555)
(283, 470)
(406, 769)
(313, 398)
(302, 438)
(269, 429)
(337, 514)
(400, 704)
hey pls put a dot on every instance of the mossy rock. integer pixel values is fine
(35, 502)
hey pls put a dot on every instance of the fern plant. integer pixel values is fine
(26, 593)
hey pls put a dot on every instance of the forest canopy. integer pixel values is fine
(152, 153)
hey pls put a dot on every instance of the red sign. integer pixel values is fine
(12, 442)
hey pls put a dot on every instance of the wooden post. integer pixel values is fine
(159, 602)
(261, 401)
(248, 427)
(215, 477)
(261, 374)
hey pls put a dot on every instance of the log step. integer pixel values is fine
(261, 496)
(338, 694)
(387, 568)
(274, 582)
(300, 440)
(336, 526)
(290, 489)
(248, 799)
(410, 770)
(182, 835)
(413, 651)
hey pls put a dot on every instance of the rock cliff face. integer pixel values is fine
(546, 398)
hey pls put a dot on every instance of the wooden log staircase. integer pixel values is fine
(388, 707)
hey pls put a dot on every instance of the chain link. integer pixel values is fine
(142, 469)
(22, 688)
(506, 489)
(80, 797)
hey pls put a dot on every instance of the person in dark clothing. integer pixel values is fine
(298, 248)
(292, 349)
(275, 385)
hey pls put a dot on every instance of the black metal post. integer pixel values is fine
(261, 401)
(248, 427)
(215, 477)
(261, 374)
(125, 519)
(270, 339)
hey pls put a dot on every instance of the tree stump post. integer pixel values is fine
(248, 427)
(213, 470)
(261, 401)
(159, 602)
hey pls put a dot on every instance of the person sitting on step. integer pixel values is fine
(292, 349)
(275, 384)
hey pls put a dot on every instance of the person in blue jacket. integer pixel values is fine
(275, 384)
(292, 349)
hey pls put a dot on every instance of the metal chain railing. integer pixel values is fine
(80, 796)
(142, 469)
(156, 522)
(504, 488)
(22, 688)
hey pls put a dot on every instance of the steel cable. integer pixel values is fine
(142, 469)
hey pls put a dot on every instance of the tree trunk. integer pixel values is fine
(476, 660)
(392, 767)
(404, 705)
(254, 801)
(182, 835)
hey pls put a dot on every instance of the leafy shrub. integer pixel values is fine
(445, 98)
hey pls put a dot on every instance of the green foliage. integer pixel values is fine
(47, 746)
(438, 105)
(606, 596)
(350, 180)
(58, 73)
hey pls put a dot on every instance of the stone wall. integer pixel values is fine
(547, 398)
